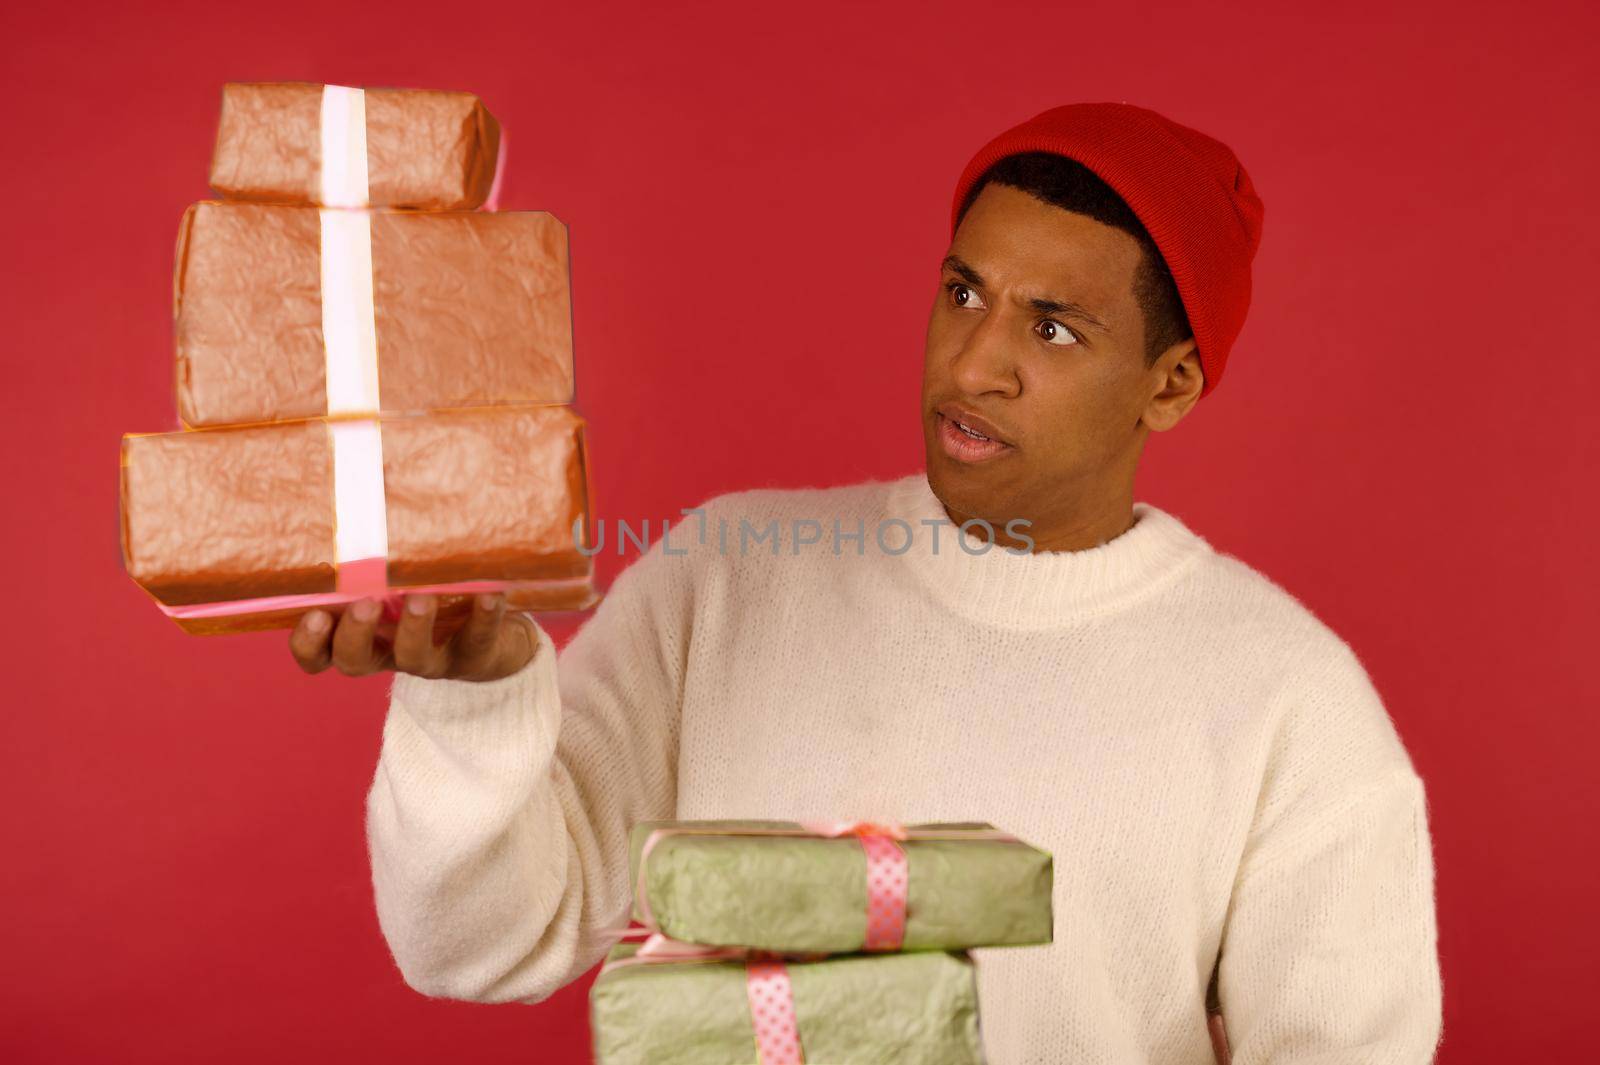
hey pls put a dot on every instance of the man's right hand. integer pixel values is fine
(488, 647)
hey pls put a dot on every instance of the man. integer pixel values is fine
(1222, 789)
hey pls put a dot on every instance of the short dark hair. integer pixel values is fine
(1068, 184)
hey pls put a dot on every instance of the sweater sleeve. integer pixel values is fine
(1330, 950)
(498, 818)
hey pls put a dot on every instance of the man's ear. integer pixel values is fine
(1177, 379)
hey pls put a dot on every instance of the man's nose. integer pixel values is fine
(985, 363)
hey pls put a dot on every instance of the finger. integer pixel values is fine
(528, 645)
(476, 644)
(519, 640)
(414, 650)
(353, 652)
(310, 640)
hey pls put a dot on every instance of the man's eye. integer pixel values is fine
(1054, 332)
(963, 296)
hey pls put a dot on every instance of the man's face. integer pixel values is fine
(1036, 341)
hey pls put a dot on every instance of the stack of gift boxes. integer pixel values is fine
(374, 374)
(782, 942)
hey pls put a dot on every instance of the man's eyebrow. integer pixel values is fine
(958, 265)
(1042, 304)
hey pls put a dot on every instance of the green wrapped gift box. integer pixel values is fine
(724, 883)
(865, 1009)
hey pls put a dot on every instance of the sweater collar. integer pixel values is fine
(1030, 591)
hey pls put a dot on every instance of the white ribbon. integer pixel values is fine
(349, 330)
(344, 147)
(350, 342)
(360, 515)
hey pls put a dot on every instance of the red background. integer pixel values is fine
(758, 204)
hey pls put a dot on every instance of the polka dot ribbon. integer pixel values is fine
(772, 1012)
(886, 893)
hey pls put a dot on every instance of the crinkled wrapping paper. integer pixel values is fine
(249, 512)
(810, 894)
(426, 149)
(878, 1009)
(469, 309)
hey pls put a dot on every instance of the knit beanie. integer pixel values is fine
(1189, 190)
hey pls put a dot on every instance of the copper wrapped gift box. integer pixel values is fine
(297, 142)
(285, 313)
(246, 528)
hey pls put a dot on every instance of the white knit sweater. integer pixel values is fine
(1207, 761)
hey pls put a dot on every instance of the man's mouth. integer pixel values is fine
(965, 441)
(970, 431)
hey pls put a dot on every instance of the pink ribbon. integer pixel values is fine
(772, 1013)
(886, 829)
(661, 949)
(887, 884)
(362, 579)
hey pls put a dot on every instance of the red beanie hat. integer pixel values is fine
(1189, 190)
